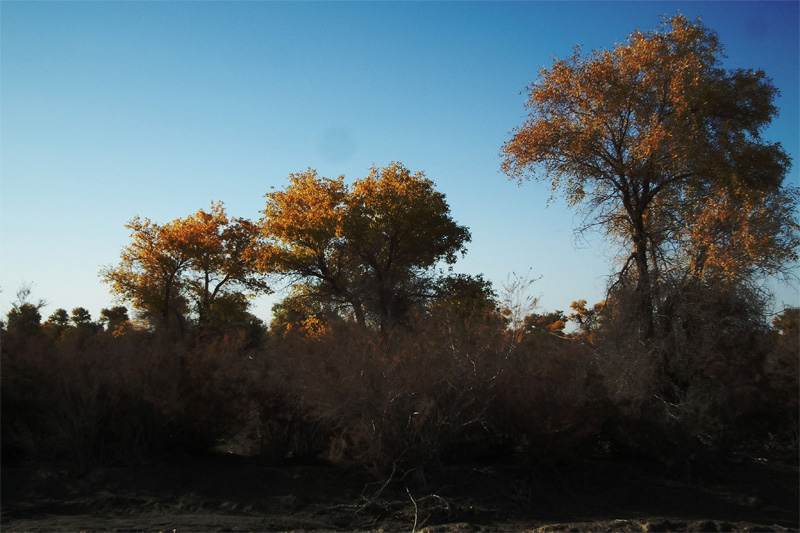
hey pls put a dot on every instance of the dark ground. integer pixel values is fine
(231, 493)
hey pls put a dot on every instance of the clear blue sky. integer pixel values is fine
(114, 109)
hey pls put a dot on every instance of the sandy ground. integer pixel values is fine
(229, 493)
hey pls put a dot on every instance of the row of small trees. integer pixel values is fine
(25, 317)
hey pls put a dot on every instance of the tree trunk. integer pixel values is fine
(358, 311)
(644, 284)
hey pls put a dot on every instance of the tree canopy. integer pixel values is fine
(369, 248)
(206, 263)
(662, 148)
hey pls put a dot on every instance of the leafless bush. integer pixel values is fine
(87, 397)
(199, 391)
(401, 400)
(551, 404)
(61, 397)
(783, 376)
(697, 382)
(284, 424)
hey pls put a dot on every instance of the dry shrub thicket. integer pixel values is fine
(706, 382)
(402, 401)
(450, 386)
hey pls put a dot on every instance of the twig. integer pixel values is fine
(416, 511)
(380, 491)
(368, 501)
(437, 497)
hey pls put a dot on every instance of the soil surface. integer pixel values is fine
(232, 493)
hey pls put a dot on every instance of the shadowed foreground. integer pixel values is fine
(230, 493)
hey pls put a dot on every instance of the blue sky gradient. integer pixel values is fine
(114, 109)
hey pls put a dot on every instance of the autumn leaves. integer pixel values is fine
(370, 247)
(365, 250)
(654, 140)
(206, 263)
(661, 149)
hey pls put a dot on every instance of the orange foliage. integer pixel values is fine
(661, 146)
(203, 258)
(366, 247)
(733, 234)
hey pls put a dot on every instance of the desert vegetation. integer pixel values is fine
(382, 360)
(453, 384)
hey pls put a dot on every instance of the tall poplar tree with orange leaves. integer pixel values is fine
(662, 148)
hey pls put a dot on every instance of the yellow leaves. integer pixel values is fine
(300, 314)
(627, 134)
(311, 327)
(365, 245)
(580, 312)
(122, 329)
(391, 202)
(734, 232)
(195, 258)
(307, 212)
(586, 318)
(392, 188)
(652, 82)
(314, 215)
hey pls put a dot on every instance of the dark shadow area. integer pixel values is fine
(231, 493)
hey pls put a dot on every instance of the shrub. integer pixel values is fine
(88, 397)
(551, 404)
(401, 400)
(698, 384)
